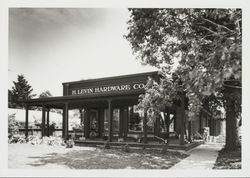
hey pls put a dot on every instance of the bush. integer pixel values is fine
(13, 125)
(17, 138)
(126, 148)
(34, 140)
(37, 140)
(69, 143)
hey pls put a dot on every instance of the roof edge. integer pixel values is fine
(112, 77)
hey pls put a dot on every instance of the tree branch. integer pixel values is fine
(213, 32)
(222, 26)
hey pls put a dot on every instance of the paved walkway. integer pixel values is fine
(201, 157)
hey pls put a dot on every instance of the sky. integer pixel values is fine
(52, 46)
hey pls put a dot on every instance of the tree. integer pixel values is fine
(45, 94)
(198, 52)
(20, 91)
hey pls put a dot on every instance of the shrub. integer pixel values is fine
(126, 148)
(37, 140)
(17, 138)
(13, 125)
(69, 143)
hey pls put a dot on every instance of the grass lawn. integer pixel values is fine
(228, 160)
(43, 156)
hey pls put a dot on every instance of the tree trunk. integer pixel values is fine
(190, 131)
(182, 123)
(167, 122)
(231, 125)
(145, 134)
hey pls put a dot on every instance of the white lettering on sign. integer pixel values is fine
(139, 86)
(105, 89)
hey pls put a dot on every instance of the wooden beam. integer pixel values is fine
(63, 123)
(26, 121)
(48, 131)
(81, 116)
(167, 121)
(121, 127)
(43, 121)
(110, 116)
(66, 122)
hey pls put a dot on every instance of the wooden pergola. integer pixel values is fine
(111, 92)
(75, 102)
(101, 94)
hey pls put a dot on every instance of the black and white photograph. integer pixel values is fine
(125, 89)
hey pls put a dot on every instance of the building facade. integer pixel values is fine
(108, 110)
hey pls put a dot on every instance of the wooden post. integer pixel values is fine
(63, 123)
(81, 116)
(200, 120)
(167, 121)
(66, 120)
(145, 140)
(48, 130)
(121, 114)
(110, 111)
(182, 119)
(26, 121)
(43, 120)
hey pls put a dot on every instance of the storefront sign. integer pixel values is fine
(107, 89)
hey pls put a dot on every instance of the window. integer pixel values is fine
(135, 120)
(116, 120)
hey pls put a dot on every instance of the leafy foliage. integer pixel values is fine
(13, 124)
(21, 90)
(198, 53)
(45, 94)
(196, 50)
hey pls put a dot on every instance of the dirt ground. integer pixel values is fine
(228, 160)
(26, 156)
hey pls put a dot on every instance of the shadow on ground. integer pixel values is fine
(110, 159)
